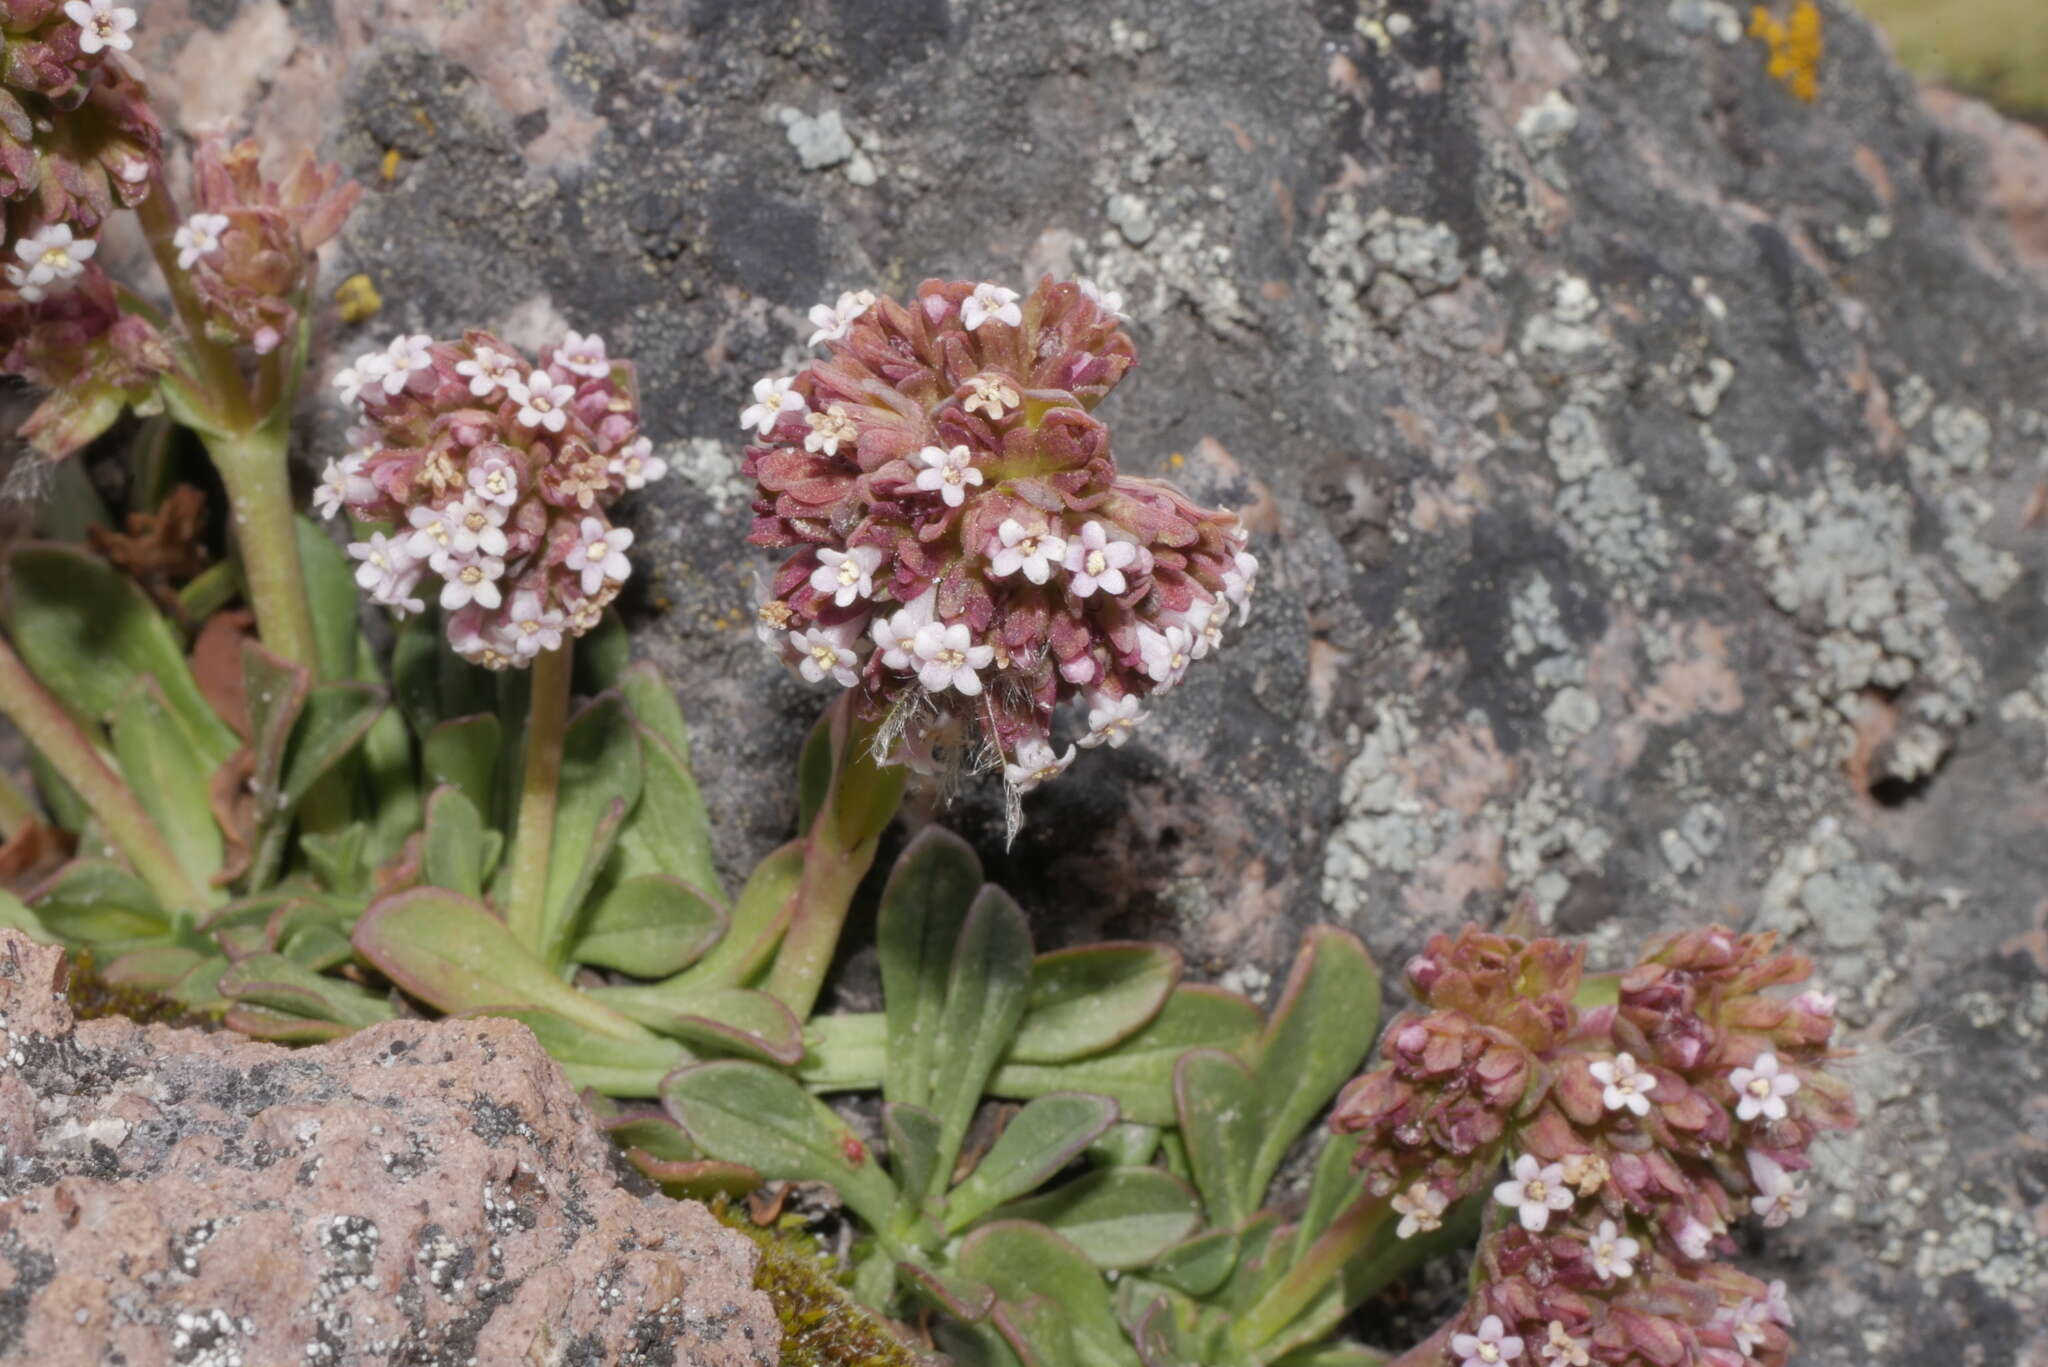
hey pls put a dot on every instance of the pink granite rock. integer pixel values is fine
(418, 1193)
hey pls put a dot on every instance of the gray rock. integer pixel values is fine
(1682, 357)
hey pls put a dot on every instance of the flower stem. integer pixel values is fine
(45, 724)
(547, 715)
(217, 372)
(254, 468)
(1347, 1237)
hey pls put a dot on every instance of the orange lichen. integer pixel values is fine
(1795, 47)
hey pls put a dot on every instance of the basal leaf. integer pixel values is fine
(1319, 1033)
(698, 1179)
(1139, 1071)
(340, 859)
(1125, 1145)
(1038, 1331)
(654, 706)
(1019, 1261)
(669, 823)
(1199, 1264)
(331, 595)
(720, 1020)
(154, 969)
(274, 981)
(600, 782)
(745, 1113)
(964, 1300)
(913, 1135)
(602, 1062)
(464, 754)
(97, 904)
(456, 852)
(1218, 1101)
(335, 719)
(1336, 1184)
(916, 930)
(1044, 1137)
(1121, 1218)
(1334, 1355)
(650, 926)
(1086, 999)
(759, 917)
(844, 1053)
(170, 777)
(988, 981)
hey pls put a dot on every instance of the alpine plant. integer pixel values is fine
(965, 555)
(491, 476)
(1636, 1136)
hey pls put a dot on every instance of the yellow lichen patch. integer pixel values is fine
(389, 167)
(1795, 47)
(357, 299)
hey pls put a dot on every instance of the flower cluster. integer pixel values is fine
(77, 136)
(248, 249)
(966, 555)
(1636, 1133)
(494, 475)
(95, 359)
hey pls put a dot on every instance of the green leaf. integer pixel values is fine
(913, 1135)
(600, 782)
(340, 859)
(615, 1067)
(653, 704)
(464, 754)
(98, 904)
(1020, 1260)
(1335, 1355)
(1086, 999)
(669, 826)
(1336, 1184)
(1320, 1032)
(1259, 1263)
(1125, 1145)
(452, 952)
(985, 991)
(718, 1020)
(1139, 1072)
(1040, 1140)
(814, 766)
(699, 1179)
(1198, 1265)
(844, 1053)
(394, 796)
(331, 595)
(644, 1128)
(335, 719)
(745, 1113)
(1218, 1102)
(15, 915)
(916, 929)
(458, 852)
(274, 981)
(865, 795)
(649, 926)
(70, 504)
(958, 1297)
(758, 919)
(154, 969)
(88, 633)
(170, 777)
(601, 655)
(1038, 1331)
(1121, 1218)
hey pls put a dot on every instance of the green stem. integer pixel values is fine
(253, 466)
(1346, 1238)
(17, 809)
(45, 724)
(540, 777)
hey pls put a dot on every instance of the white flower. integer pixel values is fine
(1109, 301)
(1761, 1090)
(834, 321)
(772, 398)
(992, 394)
(1816, 1001)
(847, 575)
(1746, 1322)
(1238, 580)
(637, 465)
(1614, 1253)
(102, 24)
(388, 572)
(1111, 720)
(1560, 1349)
(581, 355)
(200, 234)
(489, 371)
(1776, 1302)
(1165, 654)
(1035, 764)
(54, 254)
(1492, 1344)
(370, 368)
(343, 481)
(829, 429)
(534, 630)
(540, 400)
(771, 623)
(494, 478)
(990, 301)
(1692, 1239)
(896, 635)
(474, 581)
(1780, 1196)
(1035, 551)
(1535, 1191)
(448, 536)
(1628, 1087)
(1422, 1210)
(1097, 562)
(406, 354)
(18, 277)
(1205, 618)
(823, 653)
(600, 553)
(948, 658)
(948, 473)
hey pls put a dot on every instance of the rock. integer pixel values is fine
(416, 1193)
(1755, 389)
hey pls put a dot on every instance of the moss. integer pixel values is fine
(822, 1326)
(94, 998)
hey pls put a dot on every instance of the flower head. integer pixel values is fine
(1613, 1252)
(542, 400)
(823, 654)
(908, 439)
(54, 255)
(833, 321)
(1627, 1088)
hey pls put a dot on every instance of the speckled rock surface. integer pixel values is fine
(419, 1193)
(1649, 467)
